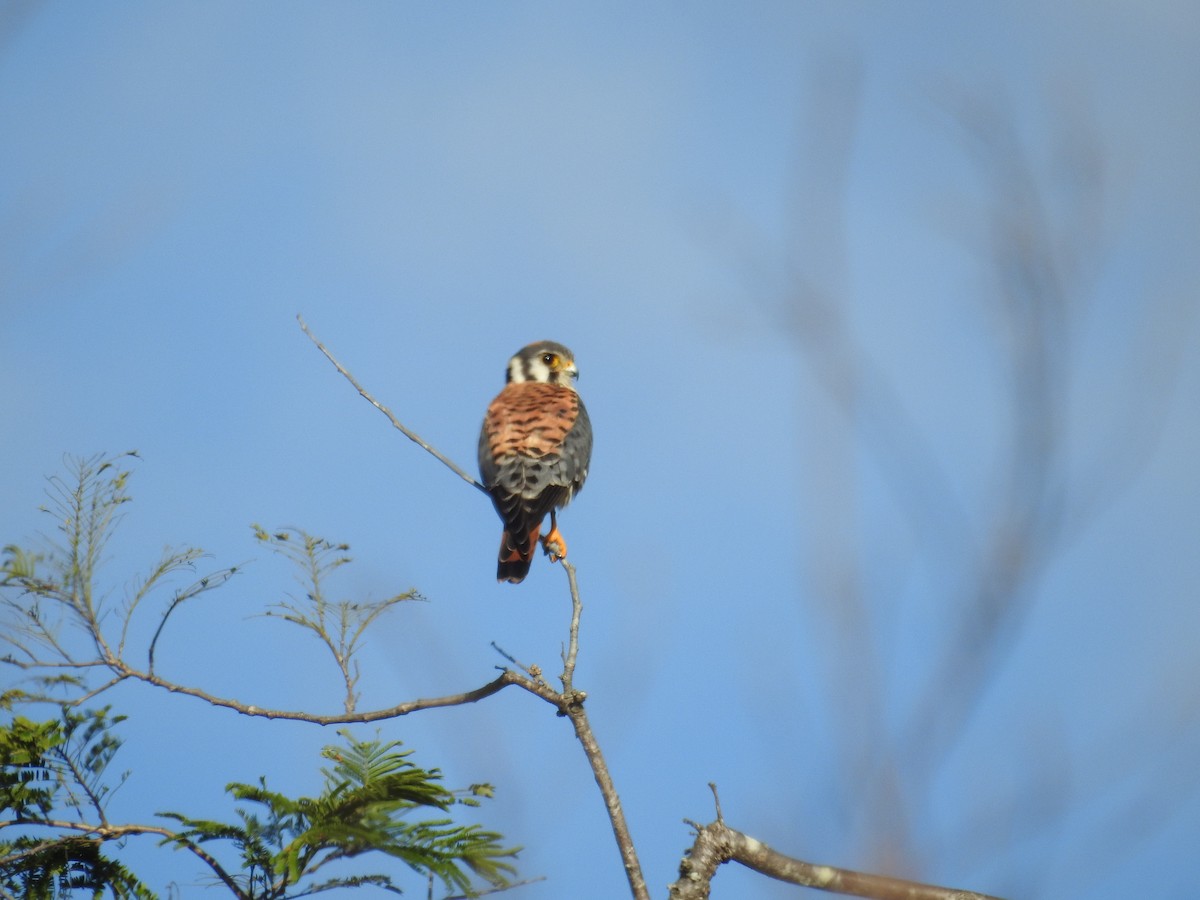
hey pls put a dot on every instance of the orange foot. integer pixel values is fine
(554, 545)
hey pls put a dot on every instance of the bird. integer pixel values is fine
(534, 450)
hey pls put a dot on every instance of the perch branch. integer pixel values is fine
(572, 650)
(396, 423)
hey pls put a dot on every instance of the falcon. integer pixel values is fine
(534, 451)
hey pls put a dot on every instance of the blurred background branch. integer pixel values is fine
(1040, 226)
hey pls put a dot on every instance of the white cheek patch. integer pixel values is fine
(526, 369)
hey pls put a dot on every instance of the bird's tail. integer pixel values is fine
(516, 554)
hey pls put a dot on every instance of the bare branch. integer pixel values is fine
(573, 709)
(113, 682)
(506, 678)
(534, 671)
(408, 433)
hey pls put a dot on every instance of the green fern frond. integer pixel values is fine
(368, 793)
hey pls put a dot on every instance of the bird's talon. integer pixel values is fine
(554, 545)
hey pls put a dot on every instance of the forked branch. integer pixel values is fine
(571, 705)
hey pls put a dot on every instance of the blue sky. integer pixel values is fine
(433, 186)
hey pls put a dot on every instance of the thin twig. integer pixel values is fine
(80, 778)
(712, 786)
(411, 435)
(533, 670)
(499, 889)
(207, 583)
(84, 698)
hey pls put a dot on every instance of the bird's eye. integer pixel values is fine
(549, 358)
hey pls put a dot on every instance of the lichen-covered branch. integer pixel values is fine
(716, 843)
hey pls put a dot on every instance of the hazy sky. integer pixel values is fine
(665, 189)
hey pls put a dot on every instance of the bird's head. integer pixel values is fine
(544, 361)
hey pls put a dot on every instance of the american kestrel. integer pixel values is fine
(534, 451)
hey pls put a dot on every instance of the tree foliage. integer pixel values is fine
(64, 631)
(284, 842)
(53, 778)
